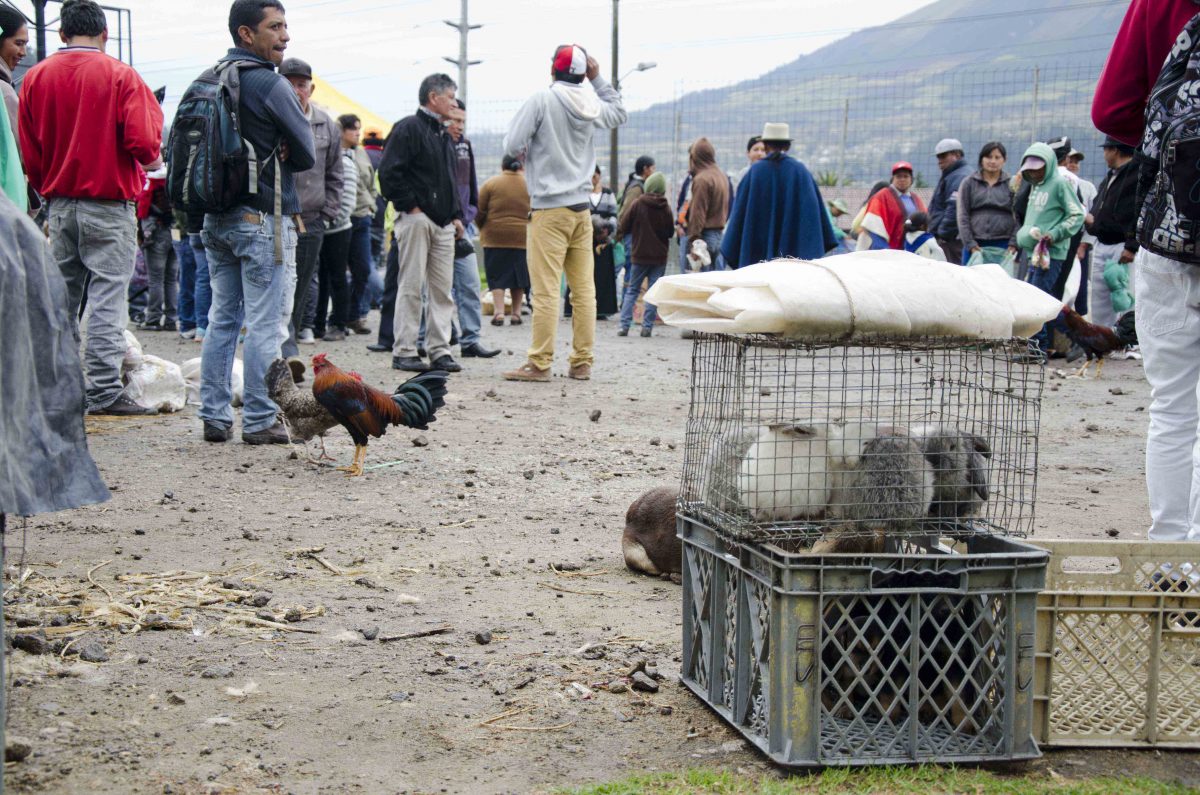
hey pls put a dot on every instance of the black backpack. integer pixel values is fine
(1169, 155)
(210, 164)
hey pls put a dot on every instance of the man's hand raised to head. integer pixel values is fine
(593, 68)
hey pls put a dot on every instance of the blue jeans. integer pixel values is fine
(247, 286)
(632, 286)
(1044, 280)
(187, 285)
(203, 294)
(361, 265)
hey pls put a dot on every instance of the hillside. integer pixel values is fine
(977, 70)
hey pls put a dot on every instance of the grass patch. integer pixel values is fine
(925, 780)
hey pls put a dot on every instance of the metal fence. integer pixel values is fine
(850, 127)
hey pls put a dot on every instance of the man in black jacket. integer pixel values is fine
(416, 175)
(1113, 221)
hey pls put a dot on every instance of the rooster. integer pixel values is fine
(302, 415)
(1098, 341)
(366, 412)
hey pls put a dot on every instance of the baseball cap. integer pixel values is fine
(948, 145)
(1113, 143)
(1032, 162)
(1061, 146)
(1077, 154)
(902, 166)
(570, 59)
(295, 67)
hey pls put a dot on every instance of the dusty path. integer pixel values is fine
(463, 532)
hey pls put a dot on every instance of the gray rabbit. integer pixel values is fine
(960, 466)
(888, 490)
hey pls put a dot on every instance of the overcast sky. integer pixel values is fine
(377, 51)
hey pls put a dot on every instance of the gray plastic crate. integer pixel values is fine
(923, 654)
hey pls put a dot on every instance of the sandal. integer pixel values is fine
(498, 320)
(516, 320)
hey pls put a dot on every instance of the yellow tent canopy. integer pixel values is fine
(335, 103)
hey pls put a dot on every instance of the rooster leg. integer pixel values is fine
(1099, 366)
(356, 468)
(325, 456)
(1082, 371)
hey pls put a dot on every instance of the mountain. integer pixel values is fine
(977, 70)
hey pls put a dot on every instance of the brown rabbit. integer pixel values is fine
(649, 541)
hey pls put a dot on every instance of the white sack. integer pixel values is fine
(156, 384)
(867, 292)
(133, 352)
(191, 377)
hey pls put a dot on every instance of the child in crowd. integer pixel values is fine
(650, 222)
(919, 241)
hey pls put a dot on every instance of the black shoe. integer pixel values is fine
(123, 407)
(215, 433)
(379, 347)
(446, 363)
(422, 352)
(623, 332)
(168, 325)
(414, 364)
(478, 351)
(276, 434)
(602, 317)
(646, 332)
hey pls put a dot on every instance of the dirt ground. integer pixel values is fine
(464, 532)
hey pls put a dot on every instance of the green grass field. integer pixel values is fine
(923, 780)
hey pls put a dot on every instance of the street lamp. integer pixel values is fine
(643, 66)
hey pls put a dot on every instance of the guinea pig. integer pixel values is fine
(959, 460)
(649, 542)
(719, 486)
(785, 475)
(888, 490)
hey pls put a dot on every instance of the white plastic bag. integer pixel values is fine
(191, 377)
(133, 352)
(156, 384)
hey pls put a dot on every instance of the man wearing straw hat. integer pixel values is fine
(763, 227)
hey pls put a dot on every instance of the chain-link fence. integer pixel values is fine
(849, 127)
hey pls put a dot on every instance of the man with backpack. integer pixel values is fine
(249, 235)
(1157, 53)
(88, 126)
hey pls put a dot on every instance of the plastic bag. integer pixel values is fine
(988, 255)
(156, 384)
(1009, 263)
(133, 352)
(1116, 276)
(191, 377)
(1071, 288)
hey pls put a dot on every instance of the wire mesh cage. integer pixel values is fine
(844, 443)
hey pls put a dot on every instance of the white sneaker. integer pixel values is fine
(305, 337)
(190, 334)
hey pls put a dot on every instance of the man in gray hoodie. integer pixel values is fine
(552, 133)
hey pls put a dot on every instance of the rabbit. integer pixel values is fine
(889, 489)
(959, 460)
(784, 474)
(719, 486)
(649, 542)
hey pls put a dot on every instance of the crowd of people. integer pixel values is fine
(323, 222)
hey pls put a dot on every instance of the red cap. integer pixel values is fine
(902, 166)
(570, 58)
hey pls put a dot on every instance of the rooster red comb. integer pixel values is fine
(319, 359)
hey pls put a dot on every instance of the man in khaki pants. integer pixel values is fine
(553, 133)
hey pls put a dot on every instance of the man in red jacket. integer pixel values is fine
(89, 126)
(1166, 290)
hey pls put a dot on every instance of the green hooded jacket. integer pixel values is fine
(1053, 207)
(12, 176)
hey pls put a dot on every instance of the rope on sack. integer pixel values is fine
(849, 298)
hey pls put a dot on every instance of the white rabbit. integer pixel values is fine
(785, 474)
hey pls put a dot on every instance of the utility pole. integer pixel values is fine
(39, 23)
(461, 61)
(616, 83)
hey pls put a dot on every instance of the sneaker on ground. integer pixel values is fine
(123, 407)
(528, 372)
(190, 334)
(276, 434)
(305, 337)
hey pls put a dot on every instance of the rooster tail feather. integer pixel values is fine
(420, 397)
(1126, 329)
